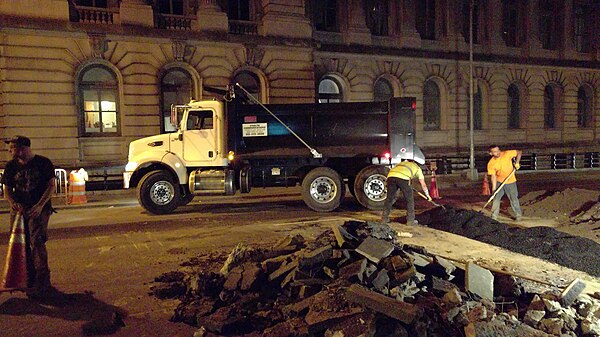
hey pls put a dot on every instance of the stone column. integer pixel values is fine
(451, 18)
(136, 13)
(532, 43)
(494, 12)
(285, 18)
(357, 32)
(409, 35)
(567, 48)
(210, 17)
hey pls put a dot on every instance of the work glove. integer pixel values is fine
(517, 166)
(428, 196)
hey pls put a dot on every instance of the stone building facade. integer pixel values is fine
(84, 78)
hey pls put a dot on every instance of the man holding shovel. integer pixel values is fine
(501, 169)
(398, 180)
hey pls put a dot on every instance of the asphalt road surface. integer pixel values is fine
(106, 258)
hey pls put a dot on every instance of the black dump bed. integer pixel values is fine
(333, 129)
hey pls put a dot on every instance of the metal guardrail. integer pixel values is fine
(62, 184)
(529, 162)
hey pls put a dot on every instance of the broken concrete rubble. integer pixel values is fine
(319, 288)
(480, 281)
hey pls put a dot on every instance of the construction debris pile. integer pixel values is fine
(573, 205)
(358, 280)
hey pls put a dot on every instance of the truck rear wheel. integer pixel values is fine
(369, 186)
(322, 189)
(157, 192)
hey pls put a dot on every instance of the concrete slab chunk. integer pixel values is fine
(316, 257)
(479, 281)
(569, 295)
(404, 312)
(342, 236)
(382, 281)
(375, 249)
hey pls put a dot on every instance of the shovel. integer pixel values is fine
(425, 197)
(498, 189)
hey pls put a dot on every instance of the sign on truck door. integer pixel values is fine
(200, 137)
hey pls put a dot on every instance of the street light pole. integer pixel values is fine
(472, 169)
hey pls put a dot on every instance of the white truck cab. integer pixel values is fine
(169, 169)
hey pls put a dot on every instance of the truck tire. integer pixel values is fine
(369, 186)
(158, 193)
(322, 189)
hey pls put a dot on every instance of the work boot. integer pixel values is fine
(386, 216)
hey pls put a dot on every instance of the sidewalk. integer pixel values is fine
(449, 185)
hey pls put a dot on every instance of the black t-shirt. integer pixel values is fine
(29, 181)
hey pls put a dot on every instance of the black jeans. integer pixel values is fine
(394, 186)
(36, 232)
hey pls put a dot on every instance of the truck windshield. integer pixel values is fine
(200, 120)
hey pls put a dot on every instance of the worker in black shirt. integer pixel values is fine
(29, 182)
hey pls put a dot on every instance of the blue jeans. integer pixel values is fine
(513, 195)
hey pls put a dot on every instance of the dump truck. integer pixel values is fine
(236, 143)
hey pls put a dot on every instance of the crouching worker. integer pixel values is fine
(398, 180)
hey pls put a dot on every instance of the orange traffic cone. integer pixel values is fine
(15, 270)
(433, 189)
(485, 188)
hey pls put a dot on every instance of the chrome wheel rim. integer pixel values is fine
(162, 193)
(374, 188)
(323, 190)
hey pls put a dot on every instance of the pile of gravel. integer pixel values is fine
(542, 242)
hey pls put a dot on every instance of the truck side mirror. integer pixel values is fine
(176, 111)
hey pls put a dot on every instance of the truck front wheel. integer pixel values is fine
(322, 189)
(157, 192)
(369, 186)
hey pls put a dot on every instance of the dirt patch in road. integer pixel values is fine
(564, 205)
(542, 242)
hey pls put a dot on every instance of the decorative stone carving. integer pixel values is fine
(181, 50)
(98, 44)
(254, 56)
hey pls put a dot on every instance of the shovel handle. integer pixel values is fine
(499, 188)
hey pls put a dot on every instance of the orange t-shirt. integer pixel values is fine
(502, 166)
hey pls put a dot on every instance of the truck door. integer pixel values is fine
(200, 137)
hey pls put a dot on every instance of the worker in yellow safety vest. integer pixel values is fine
(399, 179)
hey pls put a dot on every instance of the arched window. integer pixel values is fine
(477, 109)
(382, 90)
(250, 82)
(432, 109)
(584, 107)
(176, 88)
(514, 107)
(549, 108)
(98, 92)
(329, 91)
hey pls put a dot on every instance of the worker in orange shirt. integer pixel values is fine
(500, 168)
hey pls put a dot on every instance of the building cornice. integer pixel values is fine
(377, 51)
